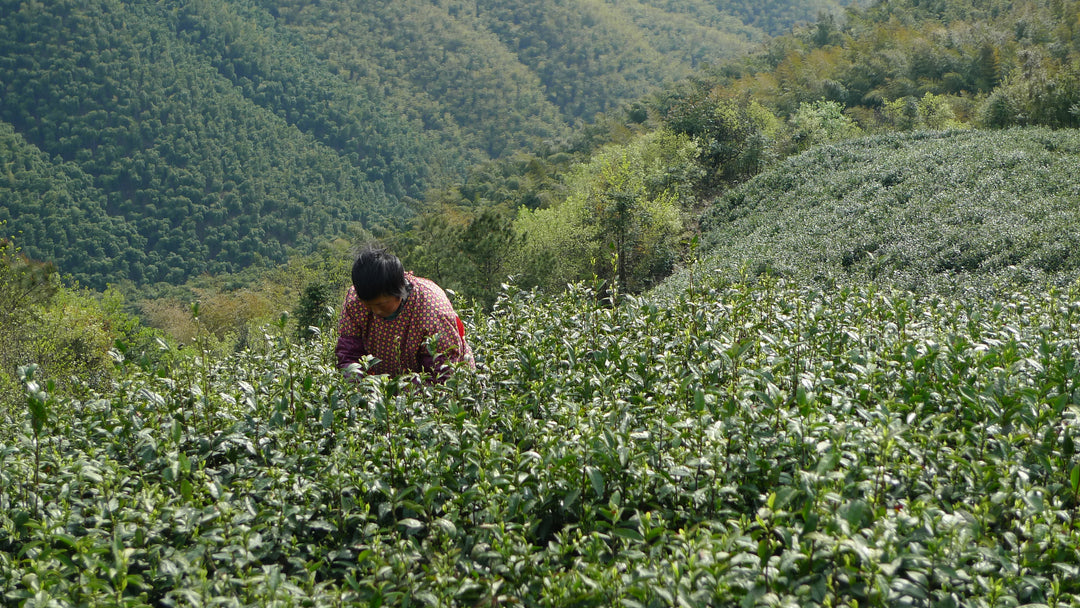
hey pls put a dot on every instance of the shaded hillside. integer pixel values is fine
(502, 71)
(210, 136)
(188, 173)
(56, 202)
(919, 210)
(777, 17)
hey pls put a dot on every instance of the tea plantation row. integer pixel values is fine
(742, 444)
(926, 210)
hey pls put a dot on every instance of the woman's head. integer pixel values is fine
(376, 273)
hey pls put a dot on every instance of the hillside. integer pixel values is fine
(210, 136)
(861, 390)
(892, 68)
(187, 171)
(921, 211)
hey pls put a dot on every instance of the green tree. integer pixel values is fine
(24, 285)
(929, 112)
(66, 331)
(1041, 91)
(621, 221)
(820, 122)
(902, 113)
(935, 112)
(986, 67)
(487, 243)
(314, 310)
(1000, 110)
(737, 134)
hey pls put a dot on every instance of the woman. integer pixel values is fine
(395, 316)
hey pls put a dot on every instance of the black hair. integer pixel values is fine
(377, 272)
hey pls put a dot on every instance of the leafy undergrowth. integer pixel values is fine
(764, 444)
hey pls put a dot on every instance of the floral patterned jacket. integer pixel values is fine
(400, 344)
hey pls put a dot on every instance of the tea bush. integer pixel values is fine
(924, 211)
(741, 443)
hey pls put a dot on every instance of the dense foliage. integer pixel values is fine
(740, 444)
(1001, 63)
(622, 217)
(210, 136)
(207, 137)
(65, 331)
(123, 128)
(776, 425)
(777, 18)
(929, 209)
(892, 67)
(497, 70)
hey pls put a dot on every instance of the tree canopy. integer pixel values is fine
(170, 139)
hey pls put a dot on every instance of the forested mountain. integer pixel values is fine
(899, 66)
(205, 136)
(503, 71)
(198, 176)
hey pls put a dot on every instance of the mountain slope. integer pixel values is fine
(500, 75)
(56, 202)
(173, 153)
(922, 210)
(210, 136)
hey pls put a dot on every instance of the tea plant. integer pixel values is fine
(925, 211)
(743, 443)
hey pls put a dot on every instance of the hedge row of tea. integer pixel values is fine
(741, 444)
(919, 210)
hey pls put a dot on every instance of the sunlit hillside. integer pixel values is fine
(921, 211)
